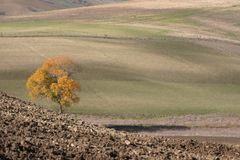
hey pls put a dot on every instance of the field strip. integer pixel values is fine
(171, 37)
(69, 36)
(100, 96)
(34, 51)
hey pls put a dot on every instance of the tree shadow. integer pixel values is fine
(150, 128)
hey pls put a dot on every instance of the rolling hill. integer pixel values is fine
(16, 7)
(139, 58)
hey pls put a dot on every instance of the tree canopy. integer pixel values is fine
(53, 81)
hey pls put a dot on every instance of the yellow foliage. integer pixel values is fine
(52, 80)
(65, 87)
(59, 66)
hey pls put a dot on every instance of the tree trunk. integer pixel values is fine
(60, 109)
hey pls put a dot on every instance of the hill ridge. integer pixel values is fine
(29, 132)
(21, 7)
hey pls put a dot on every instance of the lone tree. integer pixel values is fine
(53, 81)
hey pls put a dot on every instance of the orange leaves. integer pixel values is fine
(52, 80)
(38, 83)
(58, 61)
(65, 87)
(59, 66)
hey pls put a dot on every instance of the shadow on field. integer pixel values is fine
(151, 128)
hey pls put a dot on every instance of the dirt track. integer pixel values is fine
(30, 132)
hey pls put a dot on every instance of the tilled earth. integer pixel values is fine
(28, 131)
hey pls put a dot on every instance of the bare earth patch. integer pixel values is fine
(30, 132)
(216, 128)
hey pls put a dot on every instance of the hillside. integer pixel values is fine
(139, 58)
(28, 131)
(16, 7)
(109, 9)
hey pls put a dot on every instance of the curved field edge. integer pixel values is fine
(142, 64)
(132, 78)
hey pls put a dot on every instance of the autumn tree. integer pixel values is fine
(53, 80)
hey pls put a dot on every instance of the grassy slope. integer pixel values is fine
(138, 69)
(21, 7)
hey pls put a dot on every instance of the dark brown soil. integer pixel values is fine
(29, 132)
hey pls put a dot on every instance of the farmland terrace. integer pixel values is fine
(137, 59)
(21, 7)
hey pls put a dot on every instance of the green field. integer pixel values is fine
(138, 69)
